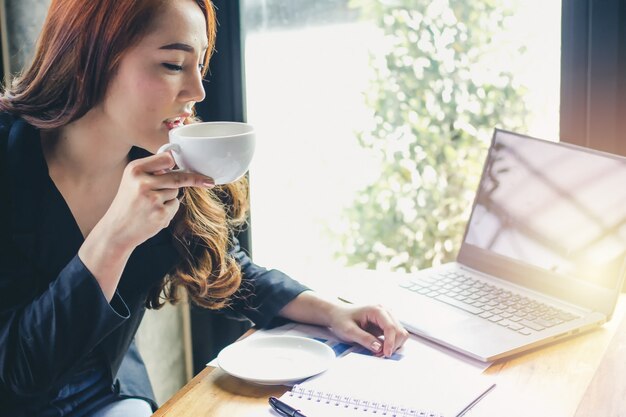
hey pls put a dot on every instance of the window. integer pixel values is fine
(373, 119)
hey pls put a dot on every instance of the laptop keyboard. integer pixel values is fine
(498, 305)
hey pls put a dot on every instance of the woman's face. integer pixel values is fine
(159, 80)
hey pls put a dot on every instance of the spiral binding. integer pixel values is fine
(366, 406)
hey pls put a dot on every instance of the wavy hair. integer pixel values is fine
(76, 56)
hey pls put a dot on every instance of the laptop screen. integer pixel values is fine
(554, 206)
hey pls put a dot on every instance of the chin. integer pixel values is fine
(155, 141)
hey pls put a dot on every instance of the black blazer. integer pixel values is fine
(52, 311)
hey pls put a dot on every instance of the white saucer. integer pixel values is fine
(275, 360)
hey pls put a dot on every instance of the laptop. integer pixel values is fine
(542, 257)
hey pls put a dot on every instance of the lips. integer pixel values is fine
(172, 123)
(177, 121)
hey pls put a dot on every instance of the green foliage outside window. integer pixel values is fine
(436, 100)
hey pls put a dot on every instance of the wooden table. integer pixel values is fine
(584, 376)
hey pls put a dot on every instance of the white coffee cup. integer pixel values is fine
(220, 150)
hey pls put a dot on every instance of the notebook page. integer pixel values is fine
(338, 406)
(369, 380)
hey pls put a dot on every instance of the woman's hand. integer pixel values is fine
(146, 200)
(370, 326)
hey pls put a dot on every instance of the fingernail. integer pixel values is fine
(208, 184)
(376, 346)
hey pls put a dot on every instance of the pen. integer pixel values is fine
(284, 409)
(473, 403)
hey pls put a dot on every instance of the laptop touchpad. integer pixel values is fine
(428, 315)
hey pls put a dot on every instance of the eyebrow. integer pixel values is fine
(179, 46)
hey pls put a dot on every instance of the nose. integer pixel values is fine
(193, 89)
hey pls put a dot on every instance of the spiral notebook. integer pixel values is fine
(360, 385)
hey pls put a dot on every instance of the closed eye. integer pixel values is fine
(177, 68)
(173, 67)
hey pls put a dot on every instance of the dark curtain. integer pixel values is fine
(593, 74)
(2, 81)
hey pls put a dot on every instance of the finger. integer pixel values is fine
(381, 318)
(403, 334)
(176, 180)
(172, 208)
(155, 163)
(366, 339)
(167, 194)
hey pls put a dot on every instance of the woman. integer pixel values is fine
(95, 227)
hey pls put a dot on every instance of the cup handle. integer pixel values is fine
(175, 148)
